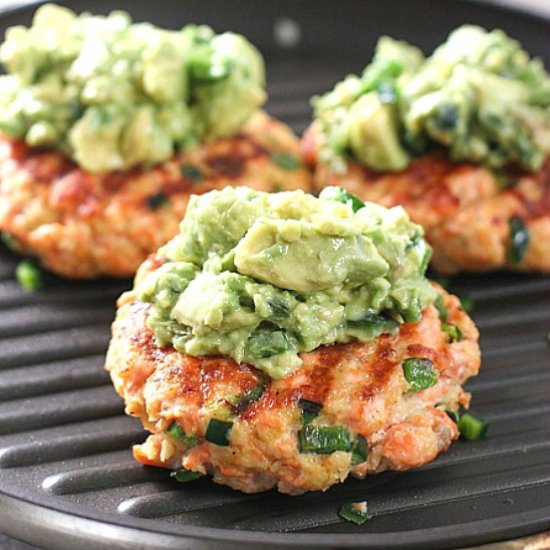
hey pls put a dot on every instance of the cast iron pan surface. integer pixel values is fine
(67, 477)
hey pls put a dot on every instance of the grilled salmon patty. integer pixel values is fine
(468, 217)
(83, 225)
(359, 388)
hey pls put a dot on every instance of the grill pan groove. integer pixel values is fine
(64, 444)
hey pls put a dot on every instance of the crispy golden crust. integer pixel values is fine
(461, 206)
(360, 385)
(83, 225)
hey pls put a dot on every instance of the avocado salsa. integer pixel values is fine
(262, 277)
(479, 95)
(112, 95)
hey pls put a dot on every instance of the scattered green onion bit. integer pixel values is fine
(218, 432)
(355, 512)
(183, 475)
(191, 172)
(286, 161)
(251, 395)
(519, 240)
(420, 373)
(265, 343)
(455, 334)
(341, 195)
(177, 432)
(9, 240)
(324, 439)
(439, 304)
(453, 415)
(472, 427)
(157, 200)
(28, 276)
(372, 325)
(360, 451)
(279, 309)
(503, 179)
(466, 303)
(310, 410)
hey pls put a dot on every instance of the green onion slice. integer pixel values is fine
(9, 240)
(324, 439)
(372, 325)
(439, 304)
(310, 410)
(191, 172)
(355, 512)
(472, 427)
(29, 276)
(157, 200)
(341, 195)
(360, 451)
(420, 373)
(183, 475)
(455, 334)
(286, 161)
(265, 343)
(519, 240)
(177, 432)
(218, 432)
(251, 395)
(453, 415)
(466, 303)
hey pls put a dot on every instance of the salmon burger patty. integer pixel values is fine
(82, 225)
(474, 220)
(350, 408)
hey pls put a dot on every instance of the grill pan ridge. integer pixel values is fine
(67, 478)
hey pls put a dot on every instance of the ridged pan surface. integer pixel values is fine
(67, 477)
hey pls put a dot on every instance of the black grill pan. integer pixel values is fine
(67, 478)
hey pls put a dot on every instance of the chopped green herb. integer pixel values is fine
(519, 240)
(466, 303)
(453, 415)
(279, 309)
(252, 395)
(218, 432)
(360, 451)
(183, 475)
(310, 410)
(472, 427)
(265, 343)
(28, 276)
(206, 70)
(10, 241)
(341, 195)
(420, 373)
(446, 117)
(277, 188)
(177, 432)
(439, 304)
(455, 334)
(413, 313)
(372, 325)
(355, 512)
(191, 172)
(324, 439)
(157, 200)
(503, 179)
(286, 161)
